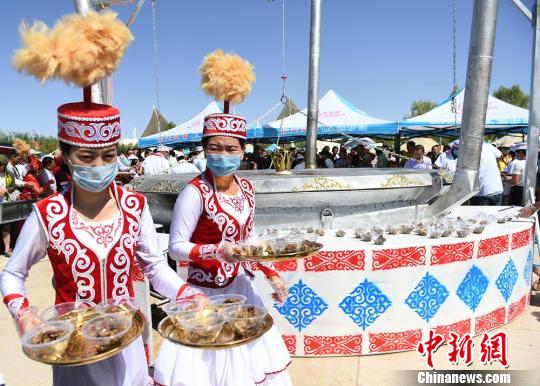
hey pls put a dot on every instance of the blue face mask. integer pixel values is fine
(94, 178)
(222, 165)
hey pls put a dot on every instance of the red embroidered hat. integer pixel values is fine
(88, 124)
(228, 125)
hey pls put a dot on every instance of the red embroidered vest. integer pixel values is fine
(79, 274)
(214, 226)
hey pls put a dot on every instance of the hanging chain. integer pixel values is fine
(270, 111)
(283, 37)
(283, 68)
(284, 100)
(156, 68)
(454, 54)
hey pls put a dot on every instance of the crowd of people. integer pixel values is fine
(500, 174)
(501, 171)
(25, 176)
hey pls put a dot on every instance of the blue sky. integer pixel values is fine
(380, 55)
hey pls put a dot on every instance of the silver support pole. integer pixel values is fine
(529, 184)
(313, 86)
(83, 6)
(101, 91)
(133, 16)
(464, 185)
(523, 8)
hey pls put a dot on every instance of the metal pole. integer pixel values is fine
(471, 136)
(133, 16)
(523, 9)
(101, 91)
(313, 86)
(397, 143)
(534, 113)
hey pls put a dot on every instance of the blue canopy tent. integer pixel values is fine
(191, 131)
(501, 117)
(337, 118)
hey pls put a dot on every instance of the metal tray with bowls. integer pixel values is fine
(263, 255)
(172, 331)
(80, 352)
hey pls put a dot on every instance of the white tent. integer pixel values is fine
(189, 131)
(336, 117)
(500, 115)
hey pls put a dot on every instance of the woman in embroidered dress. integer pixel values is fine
(213, 213)
(36, 191)
(97, 236)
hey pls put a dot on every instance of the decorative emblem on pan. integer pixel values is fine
(322, 183)
(164, 187)
(397, 181)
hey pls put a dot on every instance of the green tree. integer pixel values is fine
(422, 106)
(43, 143)
(169, 126)
(513, 95)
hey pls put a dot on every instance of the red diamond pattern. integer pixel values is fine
(493, 246)
(521, 239)
(490, 321)
(290, 343)
(394, 341)
(448, 253)
(336, 261)
(398, 258)
(333, 345)
(461, 328)
(517, 308)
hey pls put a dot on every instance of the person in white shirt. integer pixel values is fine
(328, 160)
(419, 160)
(505, 182)
(155, 164)
(200, 159)
(170, 155)
(46, 178)
(489, 180)
(122, 159)
(183, 166)
(448, 160)
(515, 175)
(12, 169)
(131, 155)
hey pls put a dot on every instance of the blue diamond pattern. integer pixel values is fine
(473, 287)
(507, 279)
(427, 297)
(303, 306)
(527, 270)
(365, 304)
